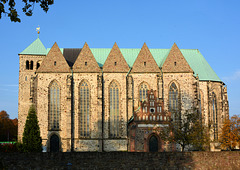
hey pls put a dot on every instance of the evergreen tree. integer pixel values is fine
(32, 141)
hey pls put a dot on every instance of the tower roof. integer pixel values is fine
(36, 48)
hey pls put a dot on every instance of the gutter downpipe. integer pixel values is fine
(102, 112)
(72, 113)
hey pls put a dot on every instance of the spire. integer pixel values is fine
(38, 30)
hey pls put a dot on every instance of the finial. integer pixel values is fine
(38, 30)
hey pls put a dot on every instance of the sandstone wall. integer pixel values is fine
(24, 101)
(44, 80)
(120, 78)
(184, 83)
(138, 79)
(91, 143)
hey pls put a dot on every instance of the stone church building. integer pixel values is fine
(102, 99)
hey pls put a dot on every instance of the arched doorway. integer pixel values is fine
(54, 143)
(153, 144)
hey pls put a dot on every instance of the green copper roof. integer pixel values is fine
(199, 65)
(36, 48)
(194, 58)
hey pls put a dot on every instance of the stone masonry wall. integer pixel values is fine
(184, 83)
(24, 101)
(110, 144)
(122, 160)
(92, 143)
(44, 80)
(138, 79)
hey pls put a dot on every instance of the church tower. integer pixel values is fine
(29, 61)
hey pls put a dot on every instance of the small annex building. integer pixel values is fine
(116, 99)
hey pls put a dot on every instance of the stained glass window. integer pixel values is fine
(114, 110)
(215, 117)
(84, 107)
(173, 101)
(143, 91)
(54, 106)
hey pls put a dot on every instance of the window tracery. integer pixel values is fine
(114, 110)
(173, 101)
(54, 106)
(143, 92)
(215, 117)
(84, 102)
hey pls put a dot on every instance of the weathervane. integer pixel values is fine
(38, 30)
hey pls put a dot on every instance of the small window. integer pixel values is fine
(27, 65)
(145, 63)
(151, 103)
(38, 65)
(175, 63)
(55, 63)
(26, 78)
(31, 65)
(85, 63)
(115, 63)
(152, 110)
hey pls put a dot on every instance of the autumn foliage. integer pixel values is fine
(8, 127)
(187, 132)
(230, 136)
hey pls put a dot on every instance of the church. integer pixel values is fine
(116, 99)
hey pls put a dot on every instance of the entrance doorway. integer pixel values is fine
(54, 143)
(153, 144)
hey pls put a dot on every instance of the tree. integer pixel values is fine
(8, 127)
(230, 136)
(32, 141)
(189, 131)
(28, 7)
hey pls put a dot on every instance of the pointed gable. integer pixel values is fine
(175, 62)
(54, 62)
(145, 62)
(115, 61)
(86, 62)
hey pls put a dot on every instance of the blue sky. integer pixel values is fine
(210, 26)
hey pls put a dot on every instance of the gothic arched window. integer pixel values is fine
(54, 106)
(173, 101)
(84, 109)
(143, 92)
(114, 109)
(201, 107)
(215, 117)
